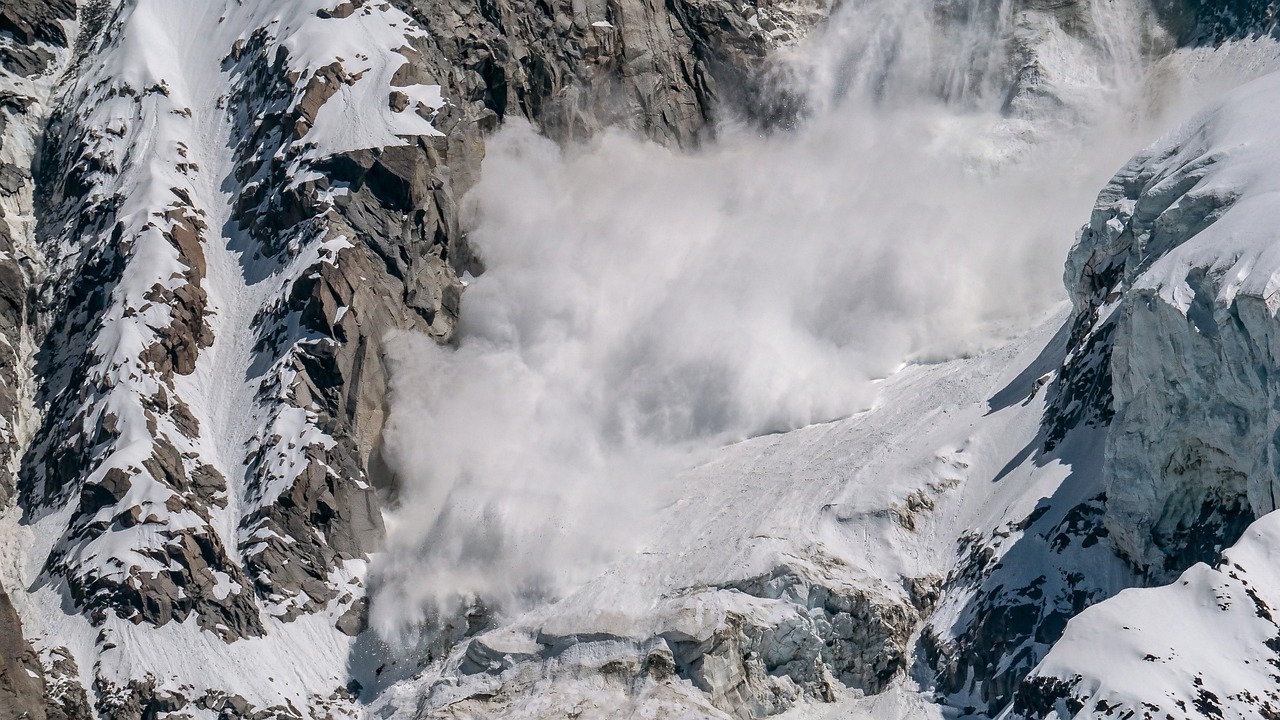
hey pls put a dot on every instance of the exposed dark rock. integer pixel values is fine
(66, 698)
(1042, 697)
(573, 68)
(22, 687)
(32, 21)
(25, 60)
(188, 332)
(191, 587)
(13, 297)
(131, 702)
(356, 618)
(1210, 22)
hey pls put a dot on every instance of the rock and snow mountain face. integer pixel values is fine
(217, 216)
(1177, 270)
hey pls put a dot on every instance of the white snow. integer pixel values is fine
(629, 323)
(1205, 643)
(175, 138)
(1210, 635)
(933, 415)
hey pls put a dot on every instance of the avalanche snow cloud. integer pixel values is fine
(641, 306)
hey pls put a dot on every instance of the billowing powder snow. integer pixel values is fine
(641, 307)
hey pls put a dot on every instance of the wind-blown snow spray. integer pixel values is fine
(641, 307)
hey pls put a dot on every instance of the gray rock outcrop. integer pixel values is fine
(177, 513)
(22, 689)
(1183, 385)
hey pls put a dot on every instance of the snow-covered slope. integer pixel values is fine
(215, 213)
(805, 566)
(180, 490)
(1209, 651)
(218, 214)
(1182, 254)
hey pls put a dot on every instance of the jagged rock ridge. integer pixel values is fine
(213, 248)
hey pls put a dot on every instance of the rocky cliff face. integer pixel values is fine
(213, 214)
(662, 69)
(1176, 273)
(22, 691)
(36, 48)
(37, 44)
(205, 244)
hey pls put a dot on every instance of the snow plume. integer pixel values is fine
(643, 306)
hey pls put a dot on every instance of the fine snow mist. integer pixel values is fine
(642, 306)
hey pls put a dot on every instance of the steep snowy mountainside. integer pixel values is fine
(216, 211)
(1178, 267)
(979, 508)
(1178, 255)
(172, 340)
(216, 216)
(1210, 651)
(35, 41)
